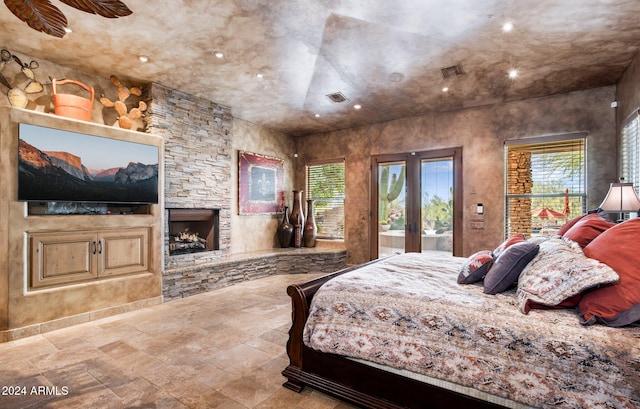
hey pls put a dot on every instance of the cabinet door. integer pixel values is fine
(57, 258)
(123, 251)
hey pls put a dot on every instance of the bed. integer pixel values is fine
(407, 331)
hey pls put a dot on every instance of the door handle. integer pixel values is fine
(413, 229)
(99, 246)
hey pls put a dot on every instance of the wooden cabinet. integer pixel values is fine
(53, 265)
(57, 258)
(123, 251)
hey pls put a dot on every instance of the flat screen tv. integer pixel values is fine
(62, 166)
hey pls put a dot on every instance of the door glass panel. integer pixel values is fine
(436, 206)
(391, 207)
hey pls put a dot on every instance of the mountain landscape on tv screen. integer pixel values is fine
(61, 176)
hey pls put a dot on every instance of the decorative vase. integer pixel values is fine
(310, 228)
(297, 219)
(285, 229)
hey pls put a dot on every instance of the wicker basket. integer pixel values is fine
(72, 106)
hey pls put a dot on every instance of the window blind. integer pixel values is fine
(326, 186)
(556, 166)
(544, 174)
(630, 150)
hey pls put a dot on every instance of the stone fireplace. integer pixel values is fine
(193, 230)
(198, 180)
(197, 172)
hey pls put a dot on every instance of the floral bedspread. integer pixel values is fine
(408, 312)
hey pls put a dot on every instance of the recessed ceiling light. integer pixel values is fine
(357, 106)
(143, 58)
(68, 30)
(507, 27)
(219, 54)
(513, 73)
(445, 89)
(317, 115)
(260, 75)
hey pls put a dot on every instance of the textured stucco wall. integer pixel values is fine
(628, 92)
(258, 232)
(481, 132)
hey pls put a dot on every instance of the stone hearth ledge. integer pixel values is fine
(194, 278)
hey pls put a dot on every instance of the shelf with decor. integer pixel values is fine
(109, 256)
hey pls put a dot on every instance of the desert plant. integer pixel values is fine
(17, 96)
(388, 190)
(125, 119)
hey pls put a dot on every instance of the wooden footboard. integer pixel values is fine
(301, 295)
(352, 381)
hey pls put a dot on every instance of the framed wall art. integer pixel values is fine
(260, 181)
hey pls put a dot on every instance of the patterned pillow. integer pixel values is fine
(538, 239)
(559, 272)
(507, 268)
(476, 267)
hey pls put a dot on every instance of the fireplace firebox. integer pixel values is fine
(193, 230)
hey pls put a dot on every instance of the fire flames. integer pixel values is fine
(185, 241)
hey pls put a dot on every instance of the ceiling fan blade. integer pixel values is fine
(104, 8)
(40, 15)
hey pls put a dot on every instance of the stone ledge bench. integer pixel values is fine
(184, 281)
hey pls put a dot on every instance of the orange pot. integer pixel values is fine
(72, 106)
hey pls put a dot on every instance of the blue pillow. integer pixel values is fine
(507, 268)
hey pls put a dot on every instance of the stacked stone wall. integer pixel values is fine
(197, 161)
(519, 181)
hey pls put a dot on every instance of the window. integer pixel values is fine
(545, 183)
(326, 186)
(630, 150)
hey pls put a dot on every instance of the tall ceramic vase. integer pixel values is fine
(310, 228)
(297, 219)
(285, 230)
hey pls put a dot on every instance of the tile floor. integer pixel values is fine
(223, 349)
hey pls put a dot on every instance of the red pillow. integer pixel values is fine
(569, 303)
(616, 304)
(570, 224)
(516, 238)
(587, 229)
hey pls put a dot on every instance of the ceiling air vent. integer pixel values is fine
(453, 71)
(337, 97)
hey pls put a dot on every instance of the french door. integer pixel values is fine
(416, 202)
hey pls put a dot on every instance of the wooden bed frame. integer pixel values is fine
(352, 381)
